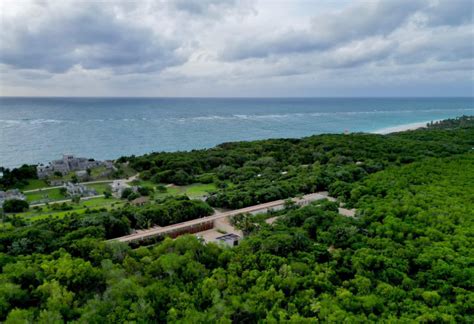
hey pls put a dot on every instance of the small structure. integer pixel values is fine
(140, 201)
(229, 239)
(75, 189)
(82, 175)
(109, 164)
(118, 186)
(56, 183)
(11, 194)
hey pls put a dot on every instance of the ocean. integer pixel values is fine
(37, 130)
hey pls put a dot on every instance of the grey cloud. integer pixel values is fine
(454, 12)
(88, 36)
(186, 47)
(359, 21)
(263, 46)
(441, 44)
(202, 7)
(359, 53)
(365, 19)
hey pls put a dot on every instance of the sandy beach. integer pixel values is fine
(403, 127)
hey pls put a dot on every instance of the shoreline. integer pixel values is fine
(380, 131)
(402, 127)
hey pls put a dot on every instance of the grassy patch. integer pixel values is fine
(199, 189)
(35, 184)
(51, 194)
(195, 190)
(174, 190)
(99, 187)
(143, 183)
(125, 170)
(98, 171)
(82, 207)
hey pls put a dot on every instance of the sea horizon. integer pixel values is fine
(238, 97)
(39, 129)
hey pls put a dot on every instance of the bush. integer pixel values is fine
(205, 178)
(15, 206)
(145, 191)
(133, 195)
(161, 188)
(62, 206)
(126, 192)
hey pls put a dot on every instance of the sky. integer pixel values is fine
(230, 48)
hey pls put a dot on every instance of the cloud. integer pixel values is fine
(218, 47)
(203, 7)
(451, 13)
(56, 38)
(444, 43)
(123, 36)
(359, 21)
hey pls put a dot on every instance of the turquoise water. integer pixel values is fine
(36, 130)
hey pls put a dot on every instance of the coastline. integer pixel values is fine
(402, 127)
(35, 131)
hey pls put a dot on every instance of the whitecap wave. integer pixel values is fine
(310, 114)
(45, 121)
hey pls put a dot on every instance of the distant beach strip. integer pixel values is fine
(403, 127)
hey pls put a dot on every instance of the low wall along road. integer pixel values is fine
(200, 224)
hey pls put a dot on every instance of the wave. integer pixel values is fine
(311, 114)
(10, 121)
(45, 121)
(249, 117)
(30, 121)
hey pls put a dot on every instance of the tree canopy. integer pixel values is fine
(405, 257)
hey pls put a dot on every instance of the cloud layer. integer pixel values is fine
(237, 48)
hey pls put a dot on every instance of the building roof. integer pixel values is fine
(228, 237)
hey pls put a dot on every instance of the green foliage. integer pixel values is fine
(460, 122)
(407, 257)
(263, 171)
(62, 206)
(161, 188)
(126, 193)
(63, 191)
(18, 177)
(15, 206)
(170, 210)
(145, 191)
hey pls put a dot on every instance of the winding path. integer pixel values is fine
(130, 179)
(65, 200)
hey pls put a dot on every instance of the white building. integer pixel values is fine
(118, 186)
(75, 189)
(11, 194)
(229, 239)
